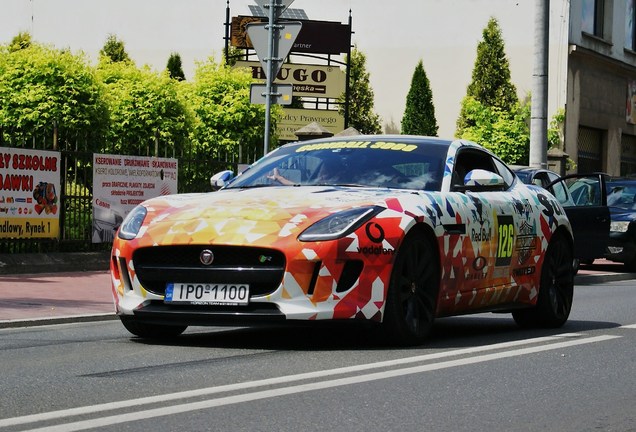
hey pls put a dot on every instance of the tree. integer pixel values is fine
(419, 114)
(224, 116)
(361, 115)
(145, 108)
(226, 125)
(505, 133)
(391, 127)
(114, 50)
(22, 40)
(491, 114)
(490, 84)
(41, 86)
(233, 55)
(174, 67)
(555, 129)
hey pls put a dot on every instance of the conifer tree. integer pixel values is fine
(114, 50)
(361, 114)
(174, 67)
(21, 41)
(491, 114)
(419, 114)
(490, 85)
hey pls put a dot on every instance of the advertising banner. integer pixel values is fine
(294, 119)
(308, 80)
(122, 182)
(317, 37)
(29, 191)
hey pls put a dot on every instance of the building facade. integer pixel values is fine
(600, 125)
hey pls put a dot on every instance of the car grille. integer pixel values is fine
(261, 268)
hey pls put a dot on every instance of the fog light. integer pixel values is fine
(614, 249)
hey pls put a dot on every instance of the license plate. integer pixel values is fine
(208, 294)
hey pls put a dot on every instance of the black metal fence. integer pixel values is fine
(76, 195)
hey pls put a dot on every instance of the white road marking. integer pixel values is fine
(630, 326)
(271, 381)
(257, 395)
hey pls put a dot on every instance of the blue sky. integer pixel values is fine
(394, 35)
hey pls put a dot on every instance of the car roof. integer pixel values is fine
(527, 169)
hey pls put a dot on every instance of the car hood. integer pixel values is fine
(249, 216)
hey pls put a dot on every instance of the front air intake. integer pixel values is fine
(350, 274)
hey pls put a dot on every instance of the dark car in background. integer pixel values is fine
(584, 199)
(621, 200)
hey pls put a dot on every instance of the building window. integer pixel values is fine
(628, 155)
(630, 25)
(590, 149)
(593, 15)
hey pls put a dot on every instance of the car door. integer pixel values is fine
(491, 224)
(584, 198)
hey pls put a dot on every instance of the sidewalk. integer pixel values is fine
(53, 298)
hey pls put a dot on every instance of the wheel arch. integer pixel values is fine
(428, 232)
(411, 307)
(566, 233)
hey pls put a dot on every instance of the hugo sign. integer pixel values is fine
(308, 80)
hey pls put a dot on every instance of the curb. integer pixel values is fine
(34, 322)
(98, 261)
(602, 278)
(53, 262)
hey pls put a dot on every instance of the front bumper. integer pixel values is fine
(282, 288)
(157, 312)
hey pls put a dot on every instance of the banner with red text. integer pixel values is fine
(29, 191)
(122, 182)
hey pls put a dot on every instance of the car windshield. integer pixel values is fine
(621, 196)
(395, 164)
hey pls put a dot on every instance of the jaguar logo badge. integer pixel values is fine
(206, 257)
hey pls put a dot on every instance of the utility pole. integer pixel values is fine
(276, 39)
(539, 109)
(271, 71)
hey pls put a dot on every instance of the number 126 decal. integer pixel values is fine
(505, 240)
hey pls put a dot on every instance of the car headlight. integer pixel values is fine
(339, 224)
(619, 226)
(132, 223)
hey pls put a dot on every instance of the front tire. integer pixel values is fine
(152, 331)
(411, 301)
(556, 290)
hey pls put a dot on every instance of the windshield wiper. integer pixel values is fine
(340, 185)
(256, 186)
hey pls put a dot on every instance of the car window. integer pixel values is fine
(561, 193)
(621, 196)
(392, 165)
(585, 191)
(541, 179)
(468, 159)
(504, 172)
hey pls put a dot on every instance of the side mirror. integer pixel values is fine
(480, 179)
(220, 179)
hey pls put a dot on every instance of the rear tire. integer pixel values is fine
(411, 300)
(152, 331)
(556, 290)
